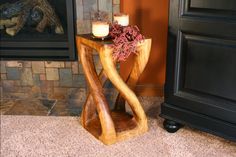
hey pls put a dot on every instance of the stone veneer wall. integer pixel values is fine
(53, 80)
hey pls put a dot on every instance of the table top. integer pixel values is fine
(106, 41)
(97, 44)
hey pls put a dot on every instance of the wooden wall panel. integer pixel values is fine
(152, 18)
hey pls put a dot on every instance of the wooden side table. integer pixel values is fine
(106, 125)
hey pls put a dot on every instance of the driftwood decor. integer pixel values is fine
(116, 125)
(38, 13)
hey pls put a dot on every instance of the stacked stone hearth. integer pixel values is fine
(59, 86)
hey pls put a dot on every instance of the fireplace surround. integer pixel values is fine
(60, 80)
(30, 44)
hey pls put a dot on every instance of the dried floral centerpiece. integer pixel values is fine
(125, 37)
(125, 40)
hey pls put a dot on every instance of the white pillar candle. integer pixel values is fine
(100, 29)
(122, 19)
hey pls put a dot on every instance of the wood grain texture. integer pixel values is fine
(107, 126)
(140, 62)
(108, 130)
(89, 109)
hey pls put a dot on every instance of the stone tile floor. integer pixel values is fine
(71, 107)
(39, 107)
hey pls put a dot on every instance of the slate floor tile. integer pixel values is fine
(37, 107)
(13, 73)
(67, 108)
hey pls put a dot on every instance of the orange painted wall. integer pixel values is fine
(151, 16)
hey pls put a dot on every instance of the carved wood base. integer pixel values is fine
(97, 118)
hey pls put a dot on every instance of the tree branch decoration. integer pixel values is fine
(125, 40)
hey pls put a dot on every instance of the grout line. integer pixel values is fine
(49, 112)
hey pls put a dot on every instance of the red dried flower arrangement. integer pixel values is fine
(125, 40)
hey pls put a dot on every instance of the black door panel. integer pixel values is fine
(209, 63)
(215, 9)
(201, 62)
(213, 4)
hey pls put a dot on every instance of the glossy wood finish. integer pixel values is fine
(200, 86)
(97, 118)
(140, 63)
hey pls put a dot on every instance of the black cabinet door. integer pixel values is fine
(201, 58)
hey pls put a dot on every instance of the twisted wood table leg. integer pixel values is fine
(89, 109)
(110, 127)
(102, 127)
(140, 62)
(111, 72)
